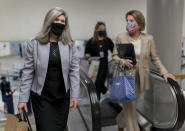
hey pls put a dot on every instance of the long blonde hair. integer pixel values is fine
(43, 35)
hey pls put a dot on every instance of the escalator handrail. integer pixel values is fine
(95, 106)
(180, 101)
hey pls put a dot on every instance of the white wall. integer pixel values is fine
(22, 19)
(4, 49)
(183, 21)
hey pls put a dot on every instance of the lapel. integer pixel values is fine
(129, 38)
(43, 58)
(142, 44)
(44, 50)
(64, 54)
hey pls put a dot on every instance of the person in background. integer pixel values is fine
(145, 50)
(50, 73)
(98, 46)
(6, 92)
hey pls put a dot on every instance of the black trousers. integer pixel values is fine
(50, 116)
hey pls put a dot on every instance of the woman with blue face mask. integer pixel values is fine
(145, 50)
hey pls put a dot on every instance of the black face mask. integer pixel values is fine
(57, 28)
(102, 33)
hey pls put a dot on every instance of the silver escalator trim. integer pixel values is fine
(163, 104)
(84, 83)
(83, 119)
(95, 106)
(173, 123)
(143, 123)
(180, 104)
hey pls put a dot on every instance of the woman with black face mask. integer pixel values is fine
(51, 72)
(98, 46)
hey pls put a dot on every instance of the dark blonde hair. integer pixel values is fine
(139, 17)
(95, 36)
(43, 35)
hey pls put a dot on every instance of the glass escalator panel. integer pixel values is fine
(162, 105)
(88, 110)
(94, 120)
(159, 105)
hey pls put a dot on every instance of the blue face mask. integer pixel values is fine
(131, 25)
(131, 28)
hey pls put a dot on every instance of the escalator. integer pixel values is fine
(161, 107)
(88, 111)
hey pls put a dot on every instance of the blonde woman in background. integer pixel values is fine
(145, 50)
(51, 71)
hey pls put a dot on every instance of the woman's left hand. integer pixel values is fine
(168, 75)
(74, 103)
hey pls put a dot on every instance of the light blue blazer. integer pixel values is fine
(36, 64)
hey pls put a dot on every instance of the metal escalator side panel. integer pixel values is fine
(181, 106)
(169, 107)
(160, 104)
(157, 103)
(95, 106)
(180, 102)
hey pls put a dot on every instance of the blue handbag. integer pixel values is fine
(122, 88)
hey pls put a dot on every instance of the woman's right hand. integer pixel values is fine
(22, 105)
(87, 56)
(128, 63)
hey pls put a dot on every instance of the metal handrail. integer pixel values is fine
(180, 101)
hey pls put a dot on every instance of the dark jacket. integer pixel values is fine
(5, 87)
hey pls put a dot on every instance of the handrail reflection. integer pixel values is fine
(94, 103)
(160, 104)
(166, 111)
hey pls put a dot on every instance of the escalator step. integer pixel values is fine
(109, 111)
